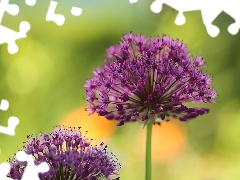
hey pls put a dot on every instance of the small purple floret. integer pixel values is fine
(69, 155)
(149, 79)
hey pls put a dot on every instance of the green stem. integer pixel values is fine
(148, 152)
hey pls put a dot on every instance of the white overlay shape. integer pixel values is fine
(12, 121)
(133, 1)
(76, 11)
(210, 9)
(8, 35)
(12, 124)
(4, 105)
(4, 169)
(51, 16)
(30, 2)
(31, 171)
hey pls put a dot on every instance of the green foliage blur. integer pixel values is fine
(44, 81)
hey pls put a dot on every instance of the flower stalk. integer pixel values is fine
(148, 165)
(145, 79)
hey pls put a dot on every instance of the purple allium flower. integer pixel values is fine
(149, 79)
(69, 155)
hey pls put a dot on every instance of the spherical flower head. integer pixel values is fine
(146, 79)
(69, 155)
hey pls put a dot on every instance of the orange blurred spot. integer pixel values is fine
(99, 128)
(168, 141)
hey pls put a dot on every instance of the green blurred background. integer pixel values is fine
(44, 81)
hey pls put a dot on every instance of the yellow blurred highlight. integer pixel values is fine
(168, 141)
(30, 68)
(22, 75)
(99, 128)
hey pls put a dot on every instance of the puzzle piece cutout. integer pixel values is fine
(51, 16)
(7, 35)
(59, 19)
(30, 2)
(12, 9)
(209, 10)
(12, 124)
(4, 105)
(4, 169)
(133, 1)
(12, 121)
(76, 11)
(30, 172)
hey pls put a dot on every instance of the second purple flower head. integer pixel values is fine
(149, 79)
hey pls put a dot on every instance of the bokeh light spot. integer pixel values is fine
(168, 140)
(22, 75)
(99, 128)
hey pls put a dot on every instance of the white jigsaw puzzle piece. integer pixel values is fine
(76, 11)
(8, 35)
(12, 124)
(12, 121)
(51, 16)
(4, 105)
(30, 2)
(231, 7)
(12, 9)
(31, 171)
(4, 170)
(209, 10)
(133, 1)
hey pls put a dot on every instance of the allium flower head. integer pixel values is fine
(69, 155)
(146, 79)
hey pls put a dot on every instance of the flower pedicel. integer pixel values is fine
(149, 79)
